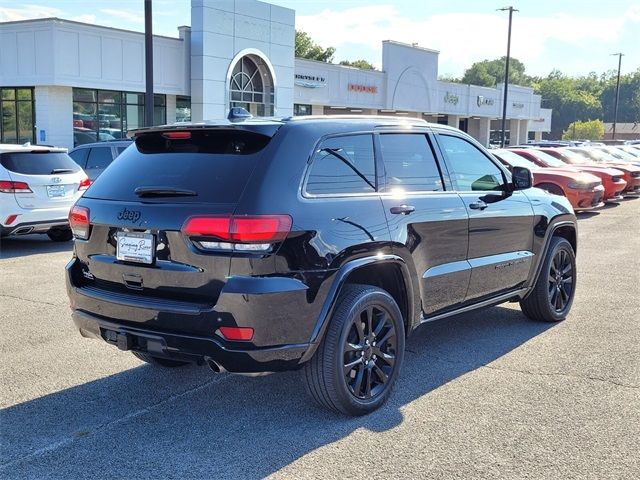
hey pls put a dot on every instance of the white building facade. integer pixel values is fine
(65, 83)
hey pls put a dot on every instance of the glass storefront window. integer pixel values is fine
(17, 114)
(299, 109)
(183, 109)
(100, 115)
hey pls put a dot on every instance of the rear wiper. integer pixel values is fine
(163, 192)
(334, 152)
(62, 170)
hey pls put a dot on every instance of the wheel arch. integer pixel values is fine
(388, 272)
(564, 229)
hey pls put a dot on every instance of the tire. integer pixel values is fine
(551, 298)
(60, 234)
(159, 361)
(551, 188)
(363, 314)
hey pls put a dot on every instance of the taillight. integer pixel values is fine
(7, 186)
(242, 334)
(84, 184)
(79, 222)
(244, 233)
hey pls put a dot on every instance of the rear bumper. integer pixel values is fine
(190, 348)
(37, 220)
(277, 308)
(27, 227)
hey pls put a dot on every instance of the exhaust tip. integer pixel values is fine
(22, 231)
(213, 365)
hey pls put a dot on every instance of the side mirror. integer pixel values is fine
(522, 178)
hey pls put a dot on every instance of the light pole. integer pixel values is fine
(615, 108)
(148, 61)
(506, 75)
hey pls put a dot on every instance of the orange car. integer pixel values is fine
(612, 178)
(583, 190)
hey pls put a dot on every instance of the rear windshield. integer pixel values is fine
(36, 163)
(214, 166)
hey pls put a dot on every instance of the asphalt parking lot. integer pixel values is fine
(485, 395)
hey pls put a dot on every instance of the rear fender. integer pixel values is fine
(340, 280)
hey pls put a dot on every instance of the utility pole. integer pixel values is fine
(148, 64)
(506, 76)
(615, 108)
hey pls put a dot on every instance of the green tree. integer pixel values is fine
(571, 99)
(361, 63)
(490, 72)
(589, 130)
(307, 48)
(629, 101)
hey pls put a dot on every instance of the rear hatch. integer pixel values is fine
(54, 180)
(141, 242)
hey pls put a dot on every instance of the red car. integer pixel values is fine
(631, 172)
(612, 178)
(583, 190)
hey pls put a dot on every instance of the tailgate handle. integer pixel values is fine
(132, 281)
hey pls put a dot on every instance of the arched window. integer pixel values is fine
(251, 86)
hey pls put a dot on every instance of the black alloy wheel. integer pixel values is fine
(560, 281)
(369, 352)
(551, 297)
(356, 365)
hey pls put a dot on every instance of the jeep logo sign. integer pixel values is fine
(130, 215)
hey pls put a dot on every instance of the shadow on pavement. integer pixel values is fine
(130, 425)
(22, 246)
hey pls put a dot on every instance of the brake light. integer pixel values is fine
(237, 333)
(177, 135)
(261, 229)
(84, 184)
(79, 222)
(7, 186)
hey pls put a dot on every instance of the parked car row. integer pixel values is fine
(588, 176)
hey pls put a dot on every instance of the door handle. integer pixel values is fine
(402, 209)
(479, 205)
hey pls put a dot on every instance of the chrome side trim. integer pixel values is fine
(486, 303)
(501, 260)
(447, 268)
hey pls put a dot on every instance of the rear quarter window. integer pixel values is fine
(215, 164)
(343, 165)
(38, 163)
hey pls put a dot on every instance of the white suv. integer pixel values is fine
(38, 187)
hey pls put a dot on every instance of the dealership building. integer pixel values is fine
(65, 83)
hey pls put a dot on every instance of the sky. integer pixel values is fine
(573, 36)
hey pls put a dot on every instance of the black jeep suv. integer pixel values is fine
(317, 243)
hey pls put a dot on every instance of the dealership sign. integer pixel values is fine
(517, 105)
(451, 98)
(356, 87)
(310, 81)
(484, 101)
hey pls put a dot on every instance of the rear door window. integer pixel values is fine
(409, 163)
(343, 165)
(215, 164)
(38, 163)
(99, 158)
(80, 156)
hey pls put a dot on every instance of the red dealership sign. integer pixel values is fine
(354, 87)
